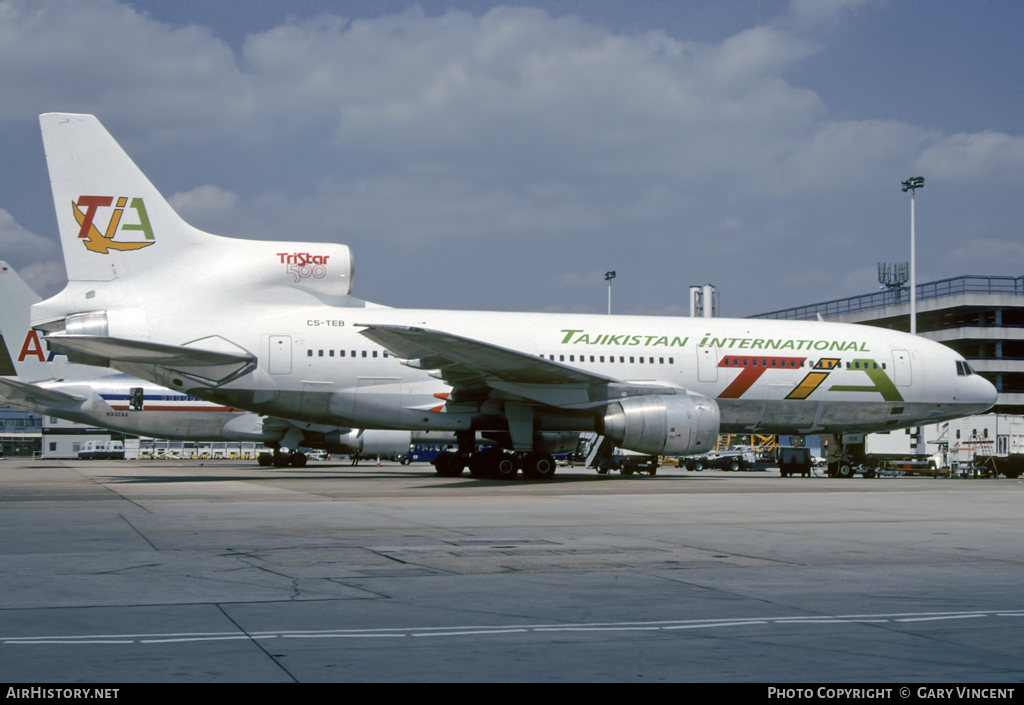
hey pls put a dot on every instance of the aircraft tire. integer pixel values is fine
(449, 465)
(265, 459)
(538, 466)
(506, 468)
(483, 465)
(297, 460)
(280, 460)
(846, 471)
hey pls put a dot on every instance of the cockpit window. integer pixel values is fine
(963, 369)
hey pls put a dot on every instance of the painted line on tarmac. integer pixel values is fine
(485, 630)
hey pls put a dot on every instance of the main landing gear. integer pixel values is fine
(281, 460)
(496, 464)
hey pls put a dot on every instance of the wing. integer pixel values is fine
(475, 368)
(20, 392)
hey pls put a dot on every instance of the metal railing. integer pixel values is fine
(970, 284)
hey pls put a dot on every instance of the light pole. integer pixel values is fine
(911, 184)
(608, 276)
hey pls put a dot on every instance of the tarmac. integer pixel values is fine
(224, 571)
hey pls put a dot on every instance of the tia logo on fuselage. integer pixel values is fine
(303, 264)
(95, 241)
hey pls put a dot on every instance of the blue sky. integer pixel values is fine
(503, 156)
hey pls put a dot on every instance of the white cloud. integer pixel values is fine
(37, 259)
(810, 13)
(974, 157)
(105, 58)
(46, 278)
(513, 96)
(19, 244)
(202, 201)
(458, 131)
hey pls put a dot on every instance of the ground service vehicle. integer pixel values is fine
(102, 450)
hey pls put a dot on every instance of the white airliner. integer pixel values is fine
(272, 327)
(101, 398)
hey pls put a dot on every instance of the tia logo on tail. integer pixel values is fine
(95, 241)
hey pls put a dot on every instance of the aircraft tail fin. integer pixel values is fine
(22, 354)
(122, 241)
(106, 207)
(23, 351)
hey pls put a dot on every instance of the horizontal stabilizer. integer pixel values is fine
(207, 365)
(13, 391)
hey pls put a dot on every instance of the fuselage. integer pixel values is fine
(164, 414)
(766, 376)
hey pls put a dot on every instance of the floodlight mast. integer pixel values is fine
(912, 184)
(608, 276)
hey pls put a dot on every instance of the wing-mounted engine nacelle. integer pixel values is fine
(369, 442)
(677, 424)
(323, 268)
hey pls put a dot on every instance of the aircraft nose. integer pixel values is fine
(982, 391)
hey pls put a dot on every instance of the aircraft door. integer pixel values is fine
(901, 372)
(707, 364)
(280, 357)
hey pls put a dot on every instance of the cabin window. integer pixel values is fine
(364, 353)
(341, 353)
(321, 353)
(309, 353)
(330, 353)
